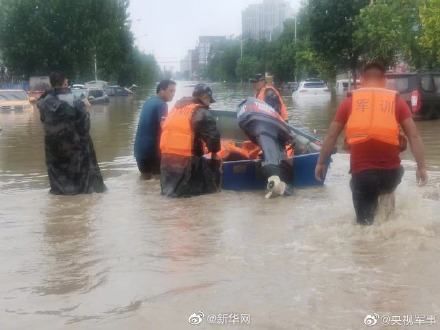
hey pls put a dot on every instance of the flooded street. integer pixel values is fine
(131, 259)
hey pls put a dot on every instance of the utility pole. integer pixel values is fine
(295, 29)
(241, 57)
(96, 69)
(241, 48)
(295, 51)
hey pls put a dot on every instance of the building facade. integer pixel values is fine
(189, 65)
(204, 47)
(265, 20)
(196, 60)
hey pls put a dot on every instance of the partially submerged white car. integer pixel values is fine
(312, 89)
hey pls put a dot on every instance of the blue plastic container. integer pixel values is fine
(245, 174)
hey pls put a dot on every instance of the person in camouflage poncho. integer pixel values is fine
(70, 156)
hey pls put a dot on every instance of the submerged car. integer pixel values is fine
(80, 93)
(118, 91)
(14, 100)
(94, 96)
(421, 90)
(96, 84)
(98, 96)
(312, 88)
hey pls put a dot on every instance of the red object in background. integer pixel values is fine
(416, 102)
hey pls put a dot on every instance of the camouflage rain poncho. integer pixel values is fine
(70, 156)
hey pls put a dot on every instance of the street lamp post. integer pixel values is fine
(96, 68)
(295, 29)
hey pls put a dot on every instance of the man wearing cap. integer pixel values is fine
(268, 93)
(187, 130)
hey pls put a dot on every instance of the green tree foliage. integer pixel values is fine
(139, 68)
(430, 29)
(38, 36)
(378, 34)
(247, 67)
(283, 55)
(223, 61)
(331, 31)
(388, 30)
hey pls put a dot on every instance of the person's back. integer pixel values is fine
(189, 127)
(374, 152)
(372, 117)
(256, 118)
(146, 145)
(60, 116)
(70, 155)
(265, 127)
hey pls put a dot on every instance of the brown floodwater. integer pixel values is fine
(131, 259)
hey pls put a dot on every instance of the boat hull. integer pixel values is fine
(246, 174)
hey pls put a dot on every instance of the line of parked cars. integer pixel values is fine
(421, 90)
(93, 95)
(96, 92)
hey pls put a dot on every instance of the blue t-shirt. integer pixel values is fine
(146, 144)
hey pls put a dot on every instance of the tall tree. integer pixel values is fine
(42, 35)
(223, 61)
(378, 34)
(391, 30)
(430, 29)
(331, 31)
(247, 67)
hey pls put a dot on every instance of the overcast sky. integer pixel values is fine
(168, 28)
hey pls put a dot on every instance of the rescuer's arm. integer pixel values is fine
(327, 149)
(206, 128)
(272, 99)
(416, 144)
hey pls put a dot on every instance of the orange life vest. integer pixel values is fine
(230, 150)
(261, 95)
(373, 117)
(177, 136)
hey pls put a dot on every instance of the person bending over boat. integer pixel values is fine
(266, 128)
(70, 155)
(146, 144)
(187, 129)
(372, 117)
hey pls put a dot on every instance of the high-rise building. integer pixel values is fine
(205, 45)
(190, 64)
(265, 20)
(197, 59)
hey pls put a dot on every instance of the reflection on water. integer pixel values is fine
(132, 259)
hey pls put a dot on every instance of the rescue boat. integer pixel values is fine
(246, 175)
